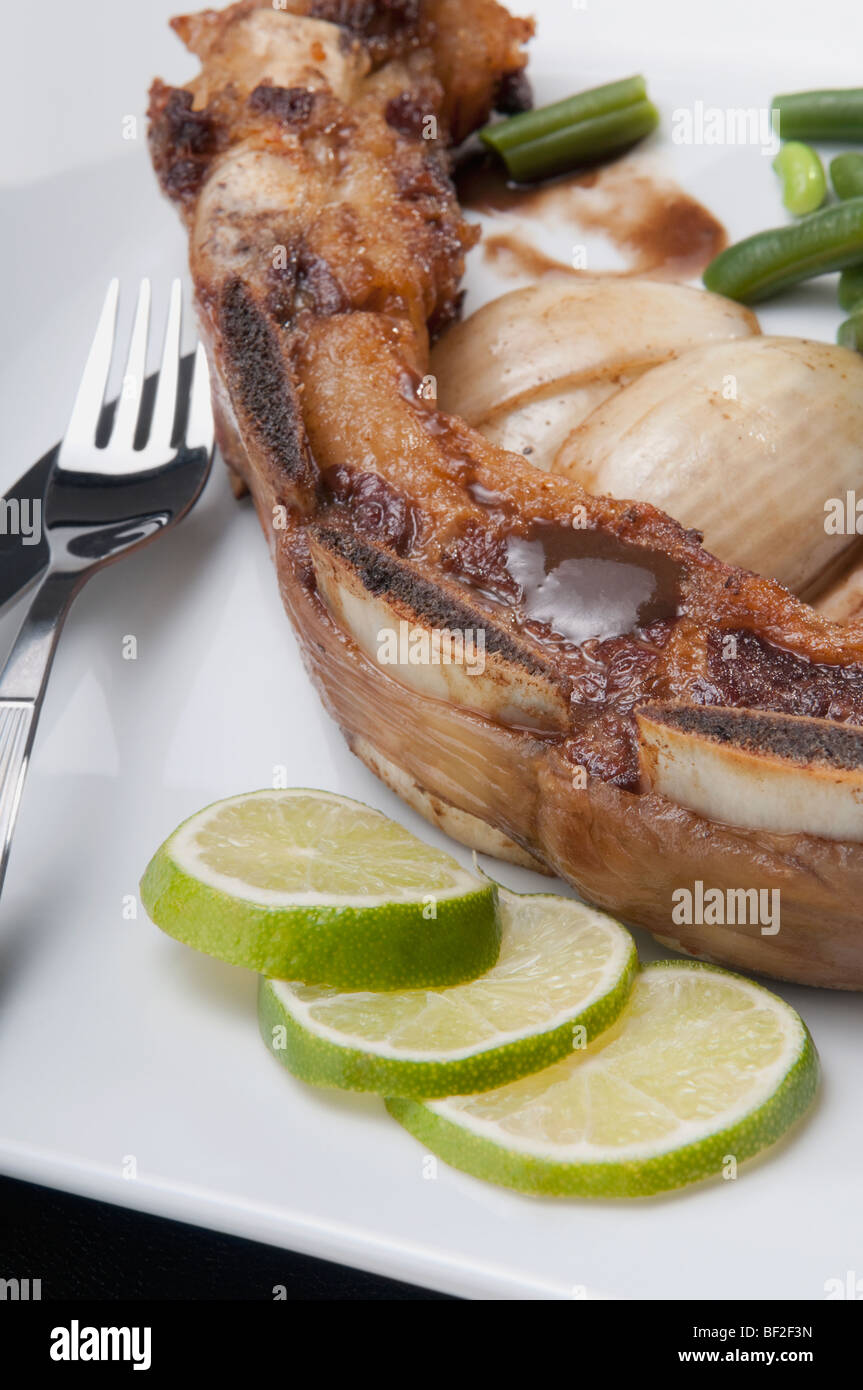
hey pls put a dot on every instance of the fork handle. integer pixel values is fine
(23, 681)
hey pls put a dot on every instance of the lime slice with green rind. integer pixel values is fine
(316, 887)
(701, 1070)
(563, 974)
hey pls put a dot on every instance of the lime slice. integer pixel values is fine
(701, 1070)
(316, 887)
(563, 974)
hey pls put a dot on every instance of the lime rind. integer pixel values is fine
(399, 949)
(368, 944)
(321, 1059)
(521, 1166)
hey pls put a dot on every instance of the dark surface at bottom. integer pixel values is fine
(80, 1248)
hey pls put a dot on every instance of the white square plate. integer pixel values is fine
(130, 1068)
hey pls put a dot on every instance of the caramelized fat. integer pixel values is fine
(574, 584)
(581, 584)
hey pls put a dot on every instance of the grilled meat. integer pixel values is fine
(309, 163)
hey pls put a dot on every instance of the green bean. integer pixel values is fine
(597, 101)
(768, 262)
(593, 124)
(851, 289)
(846, 173)
(850, 333)
(804, 186)
(827, 115)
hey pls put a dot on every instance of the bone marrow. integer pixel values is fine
(327, 249)
(430, 640)
(778, 772)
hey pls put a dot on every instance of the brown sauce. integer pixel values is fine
(657, 228)
(512, 255)
(482, 186)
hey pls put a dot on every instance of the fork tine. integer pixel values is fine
(91, 391)
(162, 423)
(129, 401)
(199, 423)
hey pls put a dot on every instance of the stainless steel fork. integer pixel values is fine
(106, 496)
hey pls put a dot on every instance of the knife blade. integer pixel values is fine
(21, 562)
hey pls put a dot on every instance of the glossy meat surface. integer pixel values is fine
(309, 162)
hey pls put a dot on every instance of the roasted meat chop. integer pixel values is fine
(308, 160)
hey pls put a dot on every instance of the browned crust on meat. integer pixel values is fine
(323, 351)
(385, 575)
(327, 248)
(477, 49)
(183, 141)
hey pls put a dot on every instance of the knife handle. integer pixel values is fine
(22, 688)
